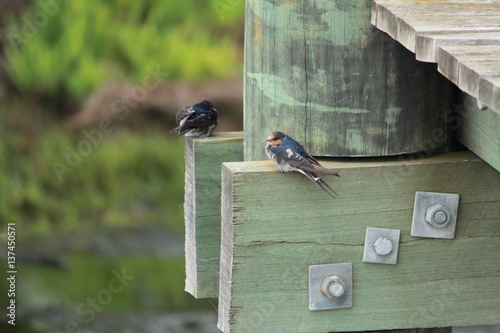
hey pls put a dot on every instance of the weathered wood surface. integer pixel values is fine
(478, 130)
(202, 204)
(404, 20)
(321, 73)
(275, 225)
(474, 70)
(462, 36)
(428, 44)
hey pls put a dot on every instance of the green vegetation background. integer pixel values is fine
(129, 178)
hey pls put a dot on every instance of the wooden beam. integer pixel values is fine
(322, 74)
(275, 225)
(478, 130)
(202, 208)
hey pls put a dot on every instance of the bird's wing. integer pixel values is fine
(297, 160)
(309, 164)
(298, 148)
(183, 113)
(202, 118)
(311, 159)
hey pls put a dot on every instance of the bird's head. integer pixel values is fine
(275, 138)
(204, 104)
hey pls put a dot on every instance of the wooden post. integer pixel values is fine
(276, 225)
(202, 208)
(321, 73)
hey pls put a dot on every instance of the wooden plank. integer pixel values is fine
(427, 44)
(471, 67)
(275, 225)
(478, 130)
(202, 208)
(320, 73)
(405, 20)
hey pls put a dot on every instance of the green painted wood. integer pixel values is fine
(321, 73)
(202, 208)
(275, 225)
(478, 130)
(418, 330)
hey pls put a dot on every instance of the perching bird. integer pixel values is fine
(198, 120)
(289, 155)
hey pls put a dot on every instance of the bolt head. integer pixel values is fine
(336, 290)
(332, 287)
(382, 246)
(437, 215)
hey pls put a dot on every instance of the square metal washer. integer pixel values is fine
(318, 300)
(369, 253)
(423, 200)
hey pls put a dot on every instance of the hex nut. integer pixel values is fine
(437, 216)
(382, 246)
(332, 287)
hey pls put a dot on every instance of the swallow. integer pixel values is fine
(289, 155)
(197, 120)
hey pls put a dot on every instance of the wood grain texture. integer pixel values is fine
(472, 69)
(428, 43)
(462, 37)
(277, 224)
(478, 130)
(202, 204)
(321, 73)
(404, 20)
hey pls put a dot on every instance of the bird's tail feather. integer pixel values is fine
(320, 182)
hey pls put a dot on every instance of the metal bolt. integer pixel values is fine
(332, 287)
(437, 215)
(383, 246)
(440, 217)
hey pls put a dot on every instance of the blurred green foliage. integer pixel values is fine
(74, 47)
(129, 178)
(126, 179)
(141, 291)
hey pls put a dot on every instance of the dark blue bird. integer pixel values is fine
(198, 120)
(289, 155)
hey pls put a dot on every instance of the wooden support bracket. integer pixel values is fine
(202, 208)
(478, 130)
(275, 225)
